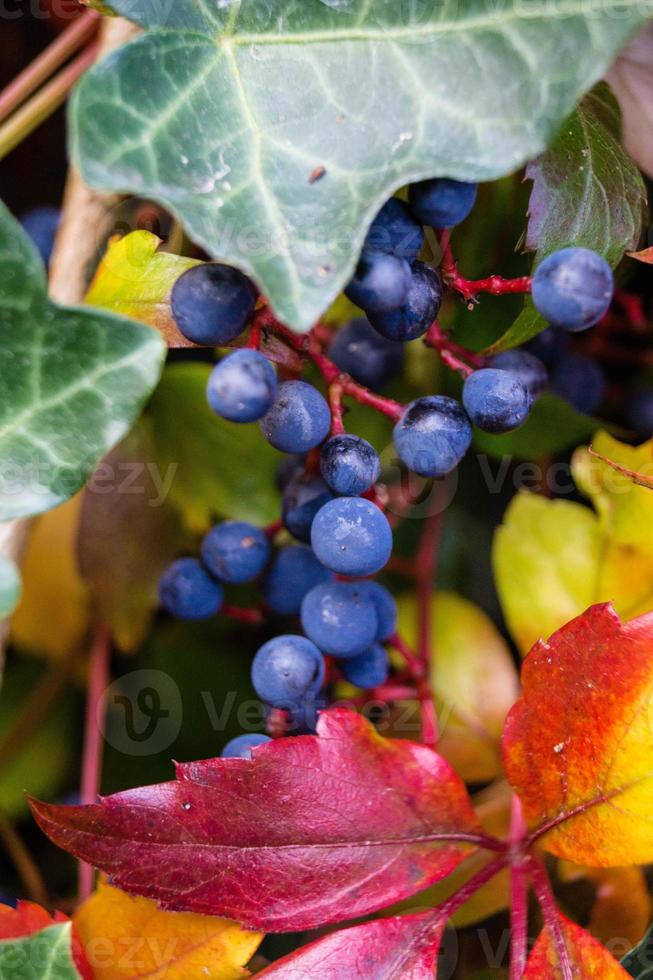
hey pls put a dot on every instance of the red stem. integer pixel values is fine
(336, 392)
(426, 565)
(542, 888)
(454, 356)
(519, 892)
(98, 681)
(470, 888)
(469, 288)
(254, 616)
(413, 662)
(273, 529)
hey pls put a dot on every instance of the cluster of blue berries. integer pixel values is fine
(342, 537)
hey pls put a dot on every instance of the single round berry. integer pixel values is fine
(433, 435)
(549, 345)
(349, 465)
(351, 536)
(422, 305)
(212, 303)
(362, 352)
(573, 288)
(385, 605)
(294, 571)
(526, 366)
(241, 388)
(639, 412)
(395, 231)
(299, 418)
(287, 670)
(303, 497)
(580, 381)
(241, 746)
(367, 670)
(496, 401)
(41, 224)
(339, 618)
(381, 282)
(441, 203)
(235, 551)
(186, 590)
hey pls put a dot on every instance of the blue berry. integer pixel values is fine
(572, 288)
(299, 418)
(395, 231)
(351, 536)
(386, 608)
(441, 203)
(241, 388)
(526, 366)
(289, 467)
(433, 435)
(580, 381)
(549, 345)
(639, 412)
(422, 305)
(241, 747)
(303, 497)
(235, 551)
(212, 303)
(287, 670)
(496, 401)
(368, 669)
(349, 465)
(187, 590)
(381, 282)
(41, 224)
(293, 572)
(370, 359)
(339, 618)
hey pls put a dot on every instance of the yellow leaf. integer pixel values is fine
(135, 279)
(475, 680)
(128, 937)
(52, 617)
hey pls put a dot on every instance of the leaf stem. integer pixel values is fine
(470, 887)
(98, 680)
(41, 106)
(55, 55)
(469, 288)
(519, 892)
(544, 893)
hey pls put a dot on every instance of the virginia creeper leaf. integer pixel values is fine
(312, 830)
(586, 957)
(578, 745)
(400, 948)
(631, 77)
(10, 586)
(224, 112)
(167, 945)
(135, 279)
(72, 381)
(639, 962)
(44, 955)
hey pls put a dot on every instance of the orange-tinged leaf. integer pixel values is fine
(126, 937)
(25, 919)
(622, 906)
(586, 957)
(578, 746)
(135, 279)
(644, 255)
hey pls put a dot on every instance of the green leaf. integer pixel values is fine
(226, 115)
(218, 468)
(9, 586)
(639, 962)
(552, 426)
(44, 955)
(587, 192)
(72, 381)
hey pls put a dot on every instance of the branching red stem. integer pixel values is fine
(544, 893)
(469, 288)
(519, 892)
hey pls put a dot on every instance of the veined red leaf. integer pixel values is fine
(311, 830)
(585, 957)
(578, 746)
(404, 947)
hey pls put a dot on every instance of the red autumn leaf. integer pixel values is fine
(578, 746)
(26, 919)
(570, 954)
(404, 947)
(645, 255)
(312, 830)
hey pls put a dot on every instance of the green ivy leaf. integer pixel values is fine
(72, 381)
(45, 955)
(227, 113)
(639, 962)
(9, 586)
(586, 192)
